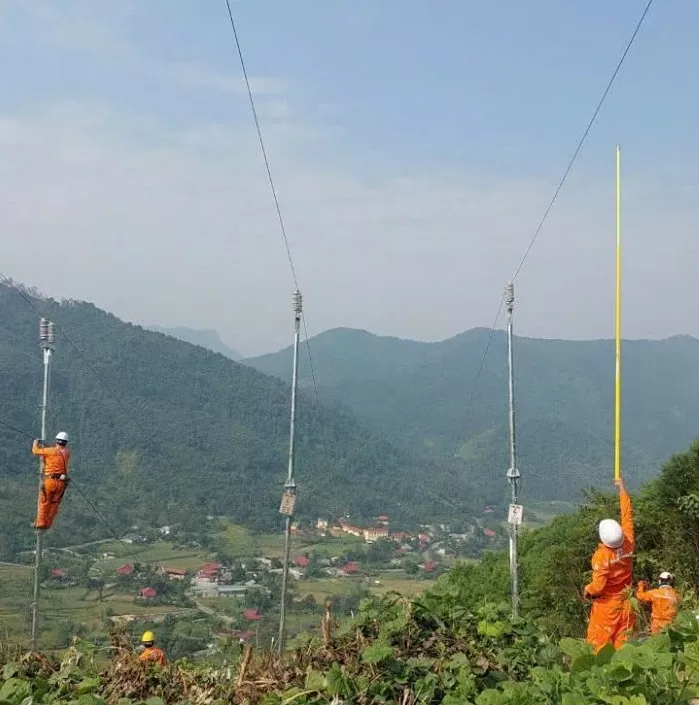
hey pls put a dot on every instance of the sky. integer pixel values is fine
(414, 146)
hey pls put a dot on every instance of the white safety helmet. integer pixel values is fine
(610, 533)
(666, 577)
(62, 436)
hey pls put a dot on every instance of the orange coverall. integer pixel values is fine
(55, 460)
(612, 618)
(153, 654)
(663, 601)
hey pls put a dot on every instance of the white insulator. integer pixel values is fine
(43, 330)
(52, 333)
(297, 303)
(510, 297)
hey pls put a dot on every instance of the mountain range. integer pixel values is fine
(206, 338)
(163, 432)
(422, 397)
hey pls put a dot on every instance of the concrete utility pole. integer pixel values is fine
(47, 340)
(289, 497)
(514, 517)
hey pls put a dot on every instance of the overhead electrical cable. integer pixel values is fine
(544, 218)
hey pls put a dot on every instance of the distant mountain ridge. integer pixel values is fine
(206, 338)
(421, 396)
(166, 432)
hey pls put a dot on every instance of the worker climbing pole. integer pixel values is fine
(47, 342)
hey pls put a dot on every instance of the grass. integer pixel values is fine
(163, 553)
(323, 588)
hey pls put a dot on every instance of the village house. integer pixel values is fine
(375, 533)
(172, 573)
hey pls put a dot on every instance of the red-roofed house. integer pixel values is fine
(489, 532)
(147, 592)
(126, 569)
(210, 571)
(174, 573)
(252, 615)
(429, 566)
(350, 568)
(58, 573)
(301, 561)
(383, 519)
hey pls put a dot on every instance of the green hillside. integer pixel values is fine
(164, 431)
(419, 395)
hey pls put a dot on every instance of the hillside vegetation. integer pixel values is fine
(454, 645)
(419, 395)
(166, 432)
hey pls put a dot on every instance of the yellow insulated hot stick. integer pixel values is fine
(617, 380)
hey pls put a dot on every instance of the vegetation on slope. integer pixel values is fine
(166, 432)
(419, 395)
(395, 651)
(454, 645)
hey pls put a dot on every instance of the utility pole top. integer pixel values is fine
(47, 334)
(297, 304)
(510, 297)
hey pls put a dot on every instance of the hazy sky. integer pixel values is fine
(415, 146)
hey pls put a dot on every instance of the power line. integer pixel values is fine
(272, 186)
(582, 140)
(545, 216)
(262, 144)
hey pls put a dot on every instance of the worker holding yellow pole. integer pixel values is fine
(612, 618)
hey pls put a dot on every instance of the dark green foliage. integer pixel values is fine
(164, 432)
(395, 651)
(555, 560)
(419, 395)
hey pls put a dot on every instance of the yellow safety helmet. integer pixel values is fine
(147, 637)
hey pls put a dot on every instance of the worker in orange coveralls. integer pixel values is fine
(54, 479)
(612, 617)
(663, 601)
(151, 653)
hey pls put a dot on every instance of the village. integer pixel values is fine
(233, 577)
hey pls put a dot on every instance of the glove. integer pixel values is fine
(642, 584)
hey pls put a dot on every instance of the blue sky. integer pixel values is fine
(415, 146)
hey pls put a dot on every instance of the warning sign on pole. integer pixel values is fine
(287, 505)
(514, 516)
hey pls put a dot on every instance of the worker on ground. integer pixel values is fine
(151, 653)
(612, 617)
(54, 479)
(663, 600)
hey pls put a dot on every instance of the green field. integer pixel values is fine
(324, 588)
(61, 609)
(163, 553)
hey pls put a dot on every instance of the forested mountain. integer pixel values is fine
(206, 338)
(164, 431)
(421, 395)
